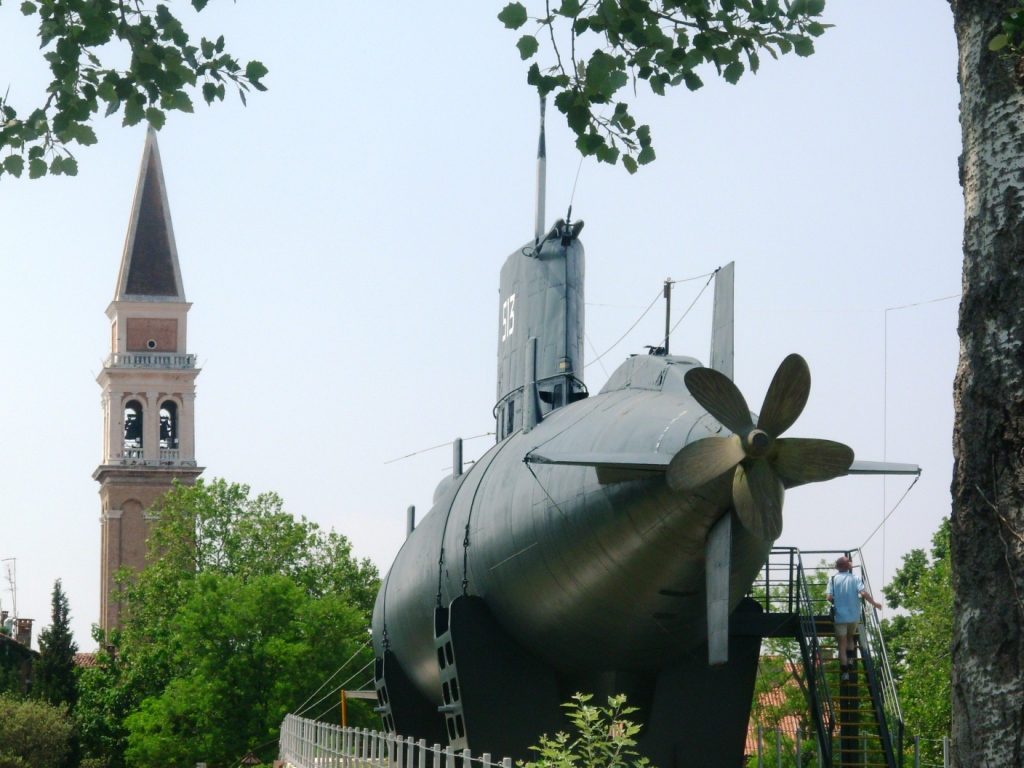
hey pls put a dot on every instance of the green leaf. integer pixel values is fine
(133, 110)
(14, 164)
(28, 9)
(207, 48)
(815, 7)
(36, 168)
(693, 81)
(85, 136)
(999, 42)
(629, 163)
(180, 100)
(254, 70)
(804, 46)
(646, 155)
(513, 15)
(527, 46)
(570, 8)
(156, 117)
(733, 72)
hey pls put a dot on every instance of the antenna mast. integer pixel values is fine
(542, 167)
(11, 575)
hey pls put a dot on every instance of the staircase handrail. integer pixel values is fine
(809, 630)
(880, 667)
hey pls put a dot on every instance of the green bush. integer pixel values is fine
(604, 738)
(33, 734)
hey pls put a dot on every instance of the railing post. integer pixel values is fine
(778, 746)
(760, 747)
(485, 758)
(917, 752)
(506, 762)
(799, 747)
(449, 757)
(436, 756)
(945, 752)
(467, 759)
(423, 753)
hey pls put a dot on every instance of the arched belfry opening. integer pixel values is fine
(133, 425)
(169, 425)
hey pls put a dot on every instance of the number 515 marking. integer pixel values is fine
(508, 317)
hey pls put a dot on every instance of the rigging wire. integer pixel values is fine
(337, 701)
(325, 682)
(634, 325)
(891, 511)
(331, 693)
(692, 303)
(657, 296)
(595, 352)
(435, 447)
(885, 405)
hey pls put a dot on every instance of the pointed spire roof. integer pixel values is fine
(149, 266)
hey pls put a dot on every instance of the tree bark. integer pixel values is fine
(988, 438)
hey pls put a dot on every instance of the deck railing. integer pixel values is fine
(312, 744)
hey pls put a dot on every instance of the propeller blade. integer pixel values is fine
(786, 396)
(702, 461)
(801, 460)
(717, 395)
(757, 494)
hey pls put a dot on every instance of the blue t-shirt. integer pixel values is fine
(845, 589)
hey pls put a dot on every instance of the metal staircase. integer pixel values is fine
(858, 723)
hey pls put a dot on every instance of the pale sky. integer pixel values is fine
(341, 238)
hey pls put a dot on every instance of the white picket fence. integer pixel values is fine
(310, 744)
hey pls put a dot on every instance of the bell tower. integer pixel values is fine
(148, 383)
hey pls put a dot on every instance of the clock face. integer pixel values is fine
(152, 334)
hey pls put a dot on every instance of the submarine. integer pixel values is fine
(602, 544)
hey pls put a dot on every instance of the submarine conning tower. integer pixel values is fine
(541, 296)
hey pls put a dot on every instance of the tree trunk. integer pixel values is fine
(988, 437)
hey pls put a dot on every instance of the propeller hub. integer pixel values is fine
(757, 443)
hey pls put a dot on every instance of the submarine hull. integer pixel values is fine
(589, 571)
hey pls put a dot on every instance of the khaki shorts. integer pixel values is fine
(846, 629)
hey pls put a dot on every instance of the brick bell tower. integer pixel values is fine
(149, 384)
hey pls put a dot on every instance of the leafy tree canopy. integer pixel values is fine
(33, 734)
(165, 66)
(663, 42)
(242, 613)
(919, 641)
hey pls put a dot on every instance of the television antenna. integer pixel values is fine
(10, 565)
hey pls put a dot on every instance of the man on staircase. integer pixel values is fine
(844, 592)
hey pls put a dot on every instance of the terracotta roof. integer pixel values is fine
(774, 698)
(85, 659)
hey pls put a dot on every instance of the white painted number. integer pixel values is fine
(508, 317)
